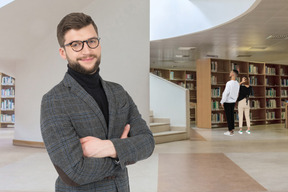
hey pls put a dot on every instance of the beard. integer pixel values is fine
(76, 66)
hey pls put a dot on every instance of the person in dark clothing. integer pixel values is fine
(243, 103)
(91, 128)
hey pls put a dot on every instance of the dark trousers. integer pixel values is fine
(229, 111)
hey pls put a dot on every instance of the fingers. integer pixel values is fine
(125, 132)
(85, 139)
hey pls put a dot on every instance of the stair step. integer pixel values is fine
(161, 120)
(170, 136)
(159, 127)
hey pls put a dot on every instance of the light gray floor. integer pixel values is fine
(263, 155)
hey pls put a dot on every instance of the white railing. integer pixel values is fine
(168, 100)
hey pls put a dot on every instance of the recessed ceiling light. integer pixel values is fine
(258, 47)
(5, 2)
(186, 48)
(244, 55)
(180, 56)
(283, 36)
(214, 56)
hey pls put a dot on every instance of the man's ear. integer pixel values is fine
(62, 53)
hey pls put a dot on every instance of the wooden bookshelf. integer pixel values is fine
(182, 77)
(269, 82)
(7, 112)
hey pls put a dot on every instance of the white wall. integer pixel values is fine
(8, 67)
(124, 30)
(168, 100)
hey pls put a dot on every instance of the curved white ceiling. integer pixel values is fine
(172, 18)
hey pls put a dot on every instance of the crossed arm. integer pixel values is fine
(97, 148)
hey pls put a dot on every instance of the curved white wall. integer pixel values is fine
(172, 18)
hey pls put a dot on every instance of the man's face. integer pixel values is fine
(87, 60)
(231, 74)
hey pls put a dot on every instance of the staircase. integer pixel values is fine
(163, 132)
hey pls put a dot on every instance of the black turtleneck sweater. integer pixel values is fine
(92, 85)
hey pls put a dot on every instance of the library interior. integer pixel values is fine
(175, 66)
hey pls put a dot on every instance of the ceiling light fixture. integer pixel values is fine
(186, 48)
(180, 56)
(258, 47)
(213, 56)
(283, 36)
(244, 55)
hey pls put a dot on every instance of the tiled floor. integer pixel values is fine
(209, 162)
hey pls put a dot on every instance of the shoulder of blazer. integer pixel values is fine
(60, 88)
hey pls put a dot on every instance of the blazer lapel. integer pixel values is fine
(111, 106)
(86, 97)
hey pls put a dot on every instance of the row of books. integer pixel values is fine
(270, 70)
(253, 69)
(158, 73)
(271, 103)
(271, 92)
(216, 92)
(213, 80)
(253, 80)
(235, 66)
(8, 92)
(284, 93)
(284, 82)
(7, 118)
(8, 80)
(283, 115)
(214, 66)
(182, 84)
(255, 104)
(217, 117)
(190, 86)
(282, 72)
(7, 104)
(270, 115)
(283, 104)
(190, 76)
(215, 105)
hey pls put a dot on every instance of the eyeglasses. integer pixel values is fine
(77, 46)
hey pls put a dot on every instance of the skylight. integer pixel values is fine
(5, 2)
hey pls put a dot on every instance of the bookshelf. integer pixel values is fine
(269, 82)
(7, 112)
(182, 77)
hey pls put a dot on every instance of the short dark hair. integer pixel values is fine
(236, 71)
(73, 21)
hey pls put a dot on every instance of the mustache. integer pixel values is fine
(87, 56)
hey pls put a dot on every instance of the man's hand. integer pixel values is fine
(97, 148)
(222, 105)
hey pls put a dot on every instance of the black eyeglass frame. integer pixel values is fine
(70, 44)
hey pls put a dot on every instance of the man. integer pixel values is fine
(85, 120)
(229, 98)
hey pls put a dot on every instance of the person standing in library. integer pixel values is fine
(91, 128)
(229, 98)
(244, 104)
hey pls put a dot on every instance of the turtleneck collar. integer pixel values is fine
(86, 80)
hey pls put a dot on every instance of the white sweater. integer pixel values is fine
(231, 92)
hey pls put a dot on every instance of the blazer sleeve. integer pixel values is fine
(140, 143)
(64, 147)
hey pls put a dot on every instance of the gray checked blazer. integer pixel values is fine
(69, 113)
